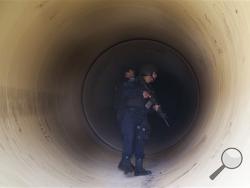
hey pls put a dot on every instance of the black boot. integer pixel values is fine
(126, 165)
(139, 170)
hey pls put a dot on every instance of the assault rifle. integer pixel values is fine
(153, 101)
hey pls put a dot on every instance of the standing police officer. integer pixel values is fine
(132, 118)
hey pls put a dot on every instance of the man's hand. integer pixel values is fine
(146, 95)
(156, 107)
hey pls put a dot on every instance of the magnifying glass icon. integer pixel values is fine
(231, 158)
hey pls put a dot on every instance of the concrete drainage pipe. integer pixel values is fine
(59, 57)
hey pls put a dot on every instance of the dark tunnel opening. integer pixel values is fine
(176, 88)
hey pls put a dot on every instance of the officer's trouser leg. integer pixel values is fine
(128, 133)
(139, 144)
(139, 153)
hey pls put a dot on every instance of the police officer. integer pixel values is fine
(147, 76)
(132, 118)
(126, 91)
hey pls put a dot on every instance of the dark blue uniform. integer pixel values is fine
(132, 118)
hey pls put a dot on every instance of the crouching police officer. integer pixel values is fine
(132, 118)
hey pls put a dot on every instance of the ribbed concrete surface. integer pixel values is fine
(46, 48)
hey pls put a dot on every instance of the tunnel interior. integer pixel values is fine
(176, 90)
(61, 60)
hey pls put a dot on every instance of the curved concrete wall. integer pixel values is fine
(46, 48)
